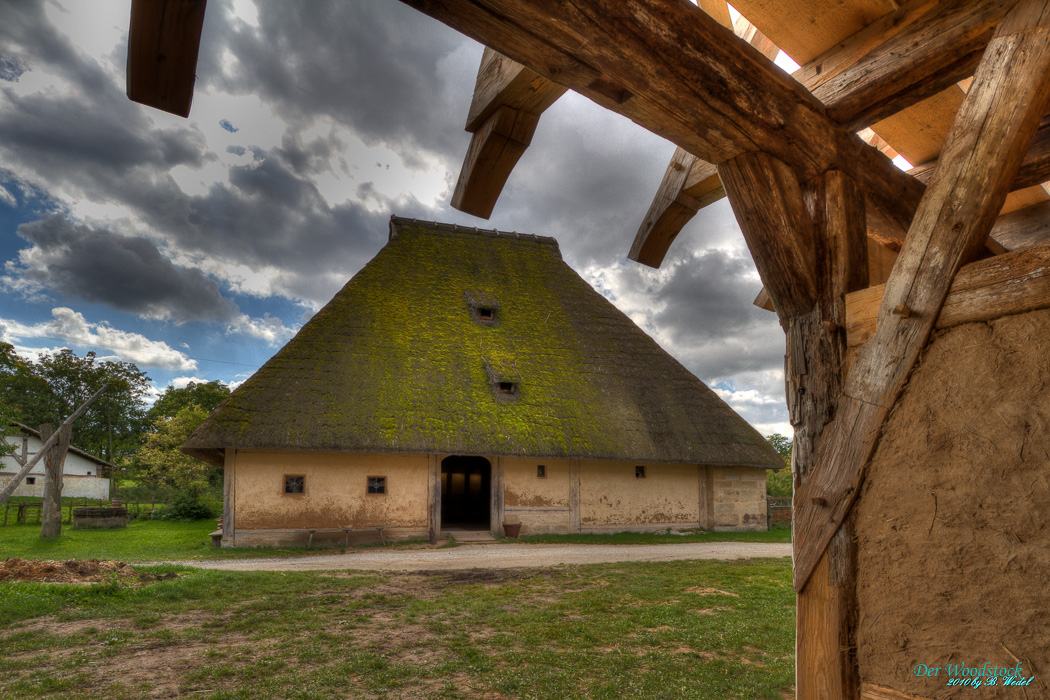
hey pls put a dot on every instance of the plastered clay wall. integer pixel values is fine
(739, 498)
(73, 486)
(610, 494)
(541, 505)
(335, 490)
(952, 522)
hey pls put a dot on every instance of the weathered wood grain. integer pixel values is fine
(997, 120)
(504, 112)
(51, 511)
(163, 43)
(816, 351)
(502, 82)
(766, 197)
(1012, 283)
(493, 152)
(904, 57)
(689, 184)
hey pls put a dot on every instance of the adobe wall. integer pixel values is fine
(335, 494)
(953, 522)
(612, 496)
(541, 505)
(73, 486)
(738, 500)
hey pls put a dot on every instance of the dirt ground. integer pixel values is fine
(503, 556)
(73, 571)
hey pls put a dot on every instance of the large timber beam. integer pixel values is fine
(997, 120)
(674, 70)
(1011, 283)
(809, 244)
(508, 100)
(689, 184)
(163, 42)
(907, 55)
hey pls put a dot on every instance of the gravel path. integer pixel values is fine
(502, 556)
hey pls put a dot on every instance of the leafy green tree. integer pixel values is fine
(161, 462)
(778, 483)
(48, 390)
(206, 395)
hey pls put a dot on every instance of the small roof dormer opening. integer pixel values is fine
(483, 306)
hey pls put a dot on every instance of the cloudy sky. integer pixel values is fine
(196, 247)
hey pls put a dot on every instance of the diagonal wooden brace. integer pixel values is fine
(996, 122)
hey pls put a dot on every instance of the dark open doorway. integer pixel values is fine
(466, 490)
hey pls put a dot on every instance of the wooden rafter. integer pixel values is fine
(718, 99)
(508, 100)
(905, 56)
(997, 120)
(689, 184)
(163, 42)
(1012, 283)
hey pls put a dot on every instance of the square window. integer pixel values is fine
(506, 387)
(30, 480)
(295, 484)
(541, 471)
(639, 472)
(486, 314)
(377, 484)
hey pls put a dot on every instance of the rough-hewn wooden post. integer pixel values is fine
(981, 157)
(51, 515)
(809, 243)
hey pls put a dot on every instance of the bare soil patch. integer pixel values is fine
(74, 571)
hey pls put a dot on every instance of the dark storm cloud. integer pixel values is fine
(127, 273)
(89, 136)
(378, 67)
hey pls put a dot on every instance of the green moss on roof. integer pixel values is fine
(397, 362)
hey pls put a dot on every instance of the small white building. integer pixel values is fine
(83, 475)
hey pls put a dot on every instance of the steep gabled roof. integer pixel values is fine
(75, 450)
(401, 361)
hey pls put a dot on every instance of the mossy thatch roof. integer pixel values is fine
(401, 360)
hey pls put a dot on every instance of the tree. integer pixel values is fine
(50, 389)
(161, 461)
(779, 482)
(206, 395)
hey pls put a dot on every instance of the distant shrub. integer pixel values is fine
(183, 507)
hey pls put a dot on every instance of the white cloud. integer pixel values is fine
(268, 328)
(71, 327)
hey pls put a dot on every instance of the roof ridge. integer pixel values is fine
(398, 222)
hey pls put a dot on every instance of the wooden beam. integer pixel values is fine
(502, 82)
(905, 56)
(163, 43)
(998, 118)
(985, 290)
(670, 211)
(508, 99)
(766, 197)
(493, 152)
(1024, 228)
(689, 184)
(826, 665)
(1034, 170)
(909, 54)
(718, 99)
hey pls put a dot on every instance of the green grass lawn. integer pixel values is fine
(699, 629)
(158, 540)
(142, 540)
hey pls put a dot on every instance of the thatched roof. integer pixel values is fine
(404, 360)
